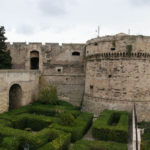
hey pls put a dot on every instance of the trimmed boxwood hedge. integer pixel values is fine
(35, 140)
(79, 128)
(98, 145)
(45, 120)
(104, 128)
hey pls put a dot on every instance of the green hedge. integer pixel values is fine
(10, 143)
(35, 140)
(79, 128)
(60, 143)
(98, 145)
(49, 110)
(36, 122)
(104, 129)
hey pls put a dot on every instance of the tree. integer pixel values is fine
(5, 58)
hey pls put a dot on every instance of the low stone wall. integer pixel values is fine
(27, 80)
(70, 86)
(97, 104)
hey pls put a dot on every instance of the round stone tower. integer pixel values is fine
(118, 74)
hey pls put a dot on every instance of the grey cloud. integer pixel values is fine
(140, 2)
(25, 29)
(52, 7)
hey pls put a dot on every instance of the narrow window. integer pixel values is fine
(109, 76)
(91, 87)
(59, 70)
(112, 49)
(75, 54)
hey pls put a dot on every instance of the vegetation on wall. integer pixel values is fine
(129, 49)
(48, 95)
(114, 44)
(5, 58)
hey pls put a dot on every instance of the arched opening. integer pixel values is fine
(34, 60)
(15, 96)
(75, 54)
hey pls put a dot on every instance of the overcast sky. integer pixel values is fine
(72, 21)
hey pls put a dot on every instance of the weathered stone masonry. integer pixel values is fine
(111, 72)
(116, 78)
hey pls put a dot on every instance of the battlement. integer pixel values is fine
(45, 44)
(120, 44)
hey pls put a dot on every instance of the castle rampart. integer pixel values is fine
(111, 72)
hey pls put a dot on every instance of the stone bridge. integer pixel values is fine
(17, 88)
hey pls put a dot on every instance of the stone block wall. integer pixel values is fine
(27, 80)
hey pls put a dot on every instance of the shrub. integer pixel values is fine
(67, 119)
(129, 49)
(48, 95)
(98, 145)
(111, 126)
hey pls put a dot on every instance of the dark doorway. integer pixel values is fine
(34, 60)
(34, 63)
(15, 96)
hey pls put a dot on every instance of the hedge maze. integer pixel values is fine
(41, 127)
(54, 127)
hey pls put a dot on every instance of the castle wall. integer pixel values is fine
(28, 81)
(112, 73)
(56, 64)
(65, 70)
(117, 80)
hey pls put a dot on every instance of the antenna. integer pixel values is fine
(98, 31)
(129, 31)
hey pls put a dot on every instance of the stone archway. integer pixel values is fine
(34, 60)
(15, 96)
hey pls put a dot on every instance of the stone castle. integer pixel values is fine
(111, 72)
